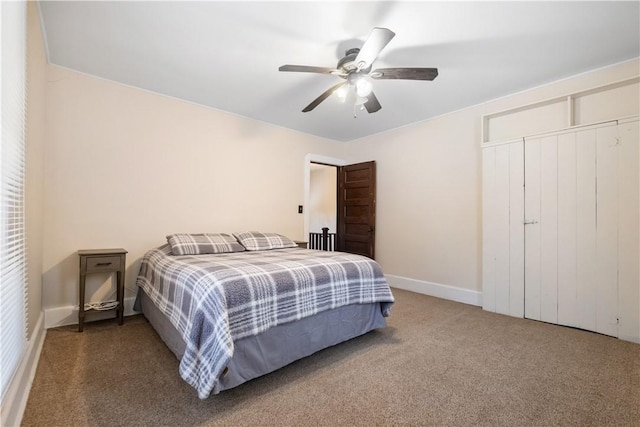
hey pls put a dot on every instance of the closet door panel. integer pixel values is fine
(516, 233)
(567, 230)
(549, 229)
(586, 256)
(629, 232)
(501, 213)
(503, 233)
(489, 226)
(607, 230)
(532, 195)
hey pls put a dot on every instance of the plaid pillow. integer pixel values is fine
(256, 241)
(205, 243)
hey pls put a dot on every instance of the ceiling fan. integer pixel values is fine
(355, 68)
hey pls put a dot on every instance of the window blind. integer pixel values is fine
(13, 298)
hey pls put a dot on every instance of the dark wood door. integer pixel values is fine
(357, 209)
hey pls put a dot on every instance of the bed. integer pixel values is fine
(235, 307)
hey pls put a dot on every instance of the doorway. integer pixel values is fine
(309, 161)
(322, 206)
(353, 216)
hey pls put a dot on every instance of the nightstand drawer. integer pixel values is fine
(103, 263)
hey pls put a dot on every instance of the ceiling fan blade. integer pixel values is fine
(322, 97)
(308, 69)
(372, 105)
(377, 40)
(405, 73)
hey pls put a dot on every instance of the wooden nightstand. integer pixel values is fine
(102, 261)
(300, 244)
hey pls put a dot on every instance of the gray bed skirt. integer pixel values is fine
(279, 346)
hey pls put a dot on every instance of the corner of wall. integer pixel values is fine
(15, 400)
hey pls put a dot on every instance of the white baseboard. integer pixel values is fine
(436, 290)
(15, 401)
(630, 338)
(68, 315)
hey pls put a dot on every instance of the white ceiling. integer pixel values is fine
(226, 54)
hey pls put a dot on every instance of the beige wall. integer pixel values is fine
(428, 202)
(429, 216)
(125, 167)
(34, 182)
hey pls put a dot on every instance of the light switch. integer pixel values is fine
(299, 208)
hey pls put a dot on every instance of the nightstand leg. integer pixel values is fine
(120, 292)
(81, 303)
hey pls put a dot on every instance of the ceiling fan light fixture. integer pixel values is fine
(342, 92)
(363, 87)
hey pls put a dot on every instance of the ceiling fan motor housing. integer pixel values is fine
(348, 63)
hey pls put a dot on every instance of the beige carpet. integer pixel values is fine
(437, 363)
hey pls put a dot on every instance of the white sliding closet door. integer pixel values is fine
(629, 231)
(568, 229)
(581, 232)
(560, 230)
(607, 177)
(503, 233)
(541, 229)
(584, 315)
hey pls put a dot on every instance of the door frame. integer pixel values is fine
(308, 159)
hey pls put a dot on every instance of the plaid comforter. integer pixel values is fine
(213, 300)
